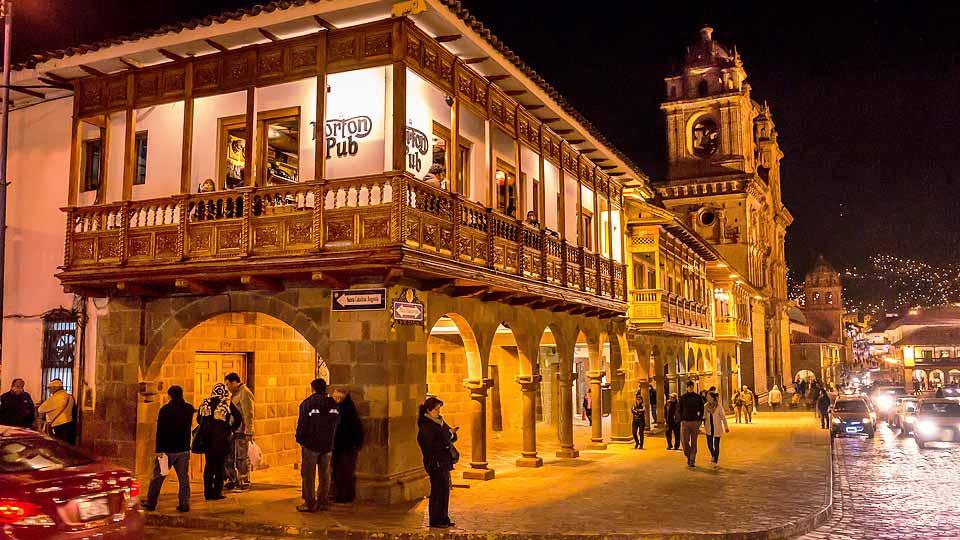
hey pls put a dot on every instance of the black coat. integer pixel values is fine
(691, 407)
(670, 412)
(17, 410)
(349, 435)
(435, 444)
(317, 423)
(218, 434)
(173, 427)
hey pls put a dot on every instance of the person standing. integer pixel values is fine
(776, 398)
(588, 406)
(653, 402)
(691, 416)
(436, 440)
(823, 409)
(738, 405)
(671, 414)
(218, 418)
(714, 426)
(57, 412)
(748, 398)
(173, 444)
(238, 459)
(346, 447)
(639, 422)
(16, 407)
(316, 429)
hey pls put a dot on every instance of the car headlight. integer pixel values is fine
(836, 420)
(927, 427)
(884, 402)
(866, 420)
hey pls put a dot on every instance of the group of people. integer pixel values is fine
(55, 416)
(328, 431)
(744, 404)
(686, 414)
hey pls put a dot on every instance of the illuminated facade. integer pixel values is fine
(926, 343)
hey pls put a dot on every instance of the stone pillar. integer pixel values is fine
(565, 384)
(478, 430)
(529, 386)
(659, 382)
(596, 390)
(622, 400)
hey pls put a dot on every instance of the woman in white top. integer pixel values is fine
(714, 425)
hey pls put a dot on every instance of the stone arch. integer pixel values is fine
(691, 364)
(476, 367)
(701, 365)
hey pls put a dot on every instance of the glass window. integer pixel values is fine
(140, 176)
(506, 181)
(92, 161)
(586, 218)
(850, 405)
(233, 144)
(279, 132)
(25, 454)
(59, 343)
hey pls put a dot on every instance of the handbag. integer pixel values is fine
(454, 454)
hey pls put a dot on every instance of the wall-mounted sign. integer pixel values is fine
(342, 135)
(418, 145)
(408, 309)
(359, 299)
(353, 129)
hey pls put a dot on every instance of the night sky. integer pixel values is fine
(864, 95)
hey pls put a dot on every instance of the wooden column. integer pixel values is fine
(399, 116)
(129, 154)
(521, 186)
(491, 164)
(104, 159)
(453, 153)
(320, 134)
(251, 128)
(73, 186)
(541, 200)
(562, 220)
(186, 148)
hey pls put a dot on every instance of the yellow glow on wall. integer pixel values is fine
(908, 359)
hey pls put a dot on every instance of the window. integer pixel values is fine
(506, 178)
(830, 298)
(140, 178)
(279, 135)
(59, 343)
(27, 454)
(702, 88)
(232, 148)
(535, 203)
(440, 169)
(586, 223)
(92, 158)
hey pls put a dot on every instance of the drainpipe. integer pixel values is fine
(6, 9)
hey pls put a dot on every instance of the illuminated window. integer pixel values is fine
(59, 346)
(830, 298)
(439, 171)
(140, 177)
(92, 158)
(232, 148)
(506, 179)
(586, 218)
(278, 133)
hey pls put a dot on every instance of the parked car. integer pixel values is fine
(53, 491)
(906, 416)
(852, 416)
(937, 420)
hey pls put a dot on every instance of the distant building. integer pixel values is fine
(817, 346)
(926, 342)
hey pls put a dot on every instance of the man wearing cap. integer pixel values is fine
(57, 412)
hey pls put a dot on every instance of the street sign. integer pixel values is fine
(408, 312)
(359, 299)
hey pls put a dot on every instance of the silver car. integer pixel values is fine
(937, 420)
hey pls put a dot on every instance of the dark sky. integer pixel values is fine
(864, 95)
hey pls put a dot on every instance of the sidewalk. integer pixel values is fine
(773, 483)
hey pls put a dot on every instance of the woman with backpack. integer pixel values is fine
(217, 419)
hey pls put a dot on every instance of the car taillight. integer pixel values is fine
(134, 489)
(14, 512)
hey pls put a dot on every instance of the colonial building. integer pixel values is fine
(926, 343)
(723, 181)
(818, 348)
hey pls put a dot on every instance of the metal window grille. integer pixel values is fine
(59, 347)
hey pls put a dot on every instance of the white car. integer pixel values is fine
(937, 420)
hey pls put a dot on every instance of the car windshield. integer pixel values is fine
(25, 454)
(852, 405)
(946, 408)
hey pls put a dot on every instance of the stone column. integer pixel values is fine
(565, 384)
(622, 400)
(478, 430)
(596, 391)
(529, 386)
(658, 380)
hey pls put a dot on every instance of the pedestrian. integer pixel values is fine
(173, 447)
(672, 417)
(653, 402)
(346, 447)
(823, 408)
(436, 440)
(738, 405)
(775, 398)
(218, 418)
(749, 400)
(939, 393)
(714, 426)
(691, 416)
(639, 422)
(316, 430)
(238, 460)
(16, 407)
(588, 406)
(57, 412)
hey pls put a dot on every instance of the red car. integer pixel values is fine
(53, 491)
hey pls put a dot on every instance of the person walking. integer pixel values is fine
(691, 416)
(775, 398)
(57, 412)
(436, 440)
(238, 459)
(16, 407)
(316, 429)
(173, 446)
(714, 426)
(346, 447)
(671, 415)
(217, 419)
(823, 410)
(738, 406)
(653, 402)
(588, 406)
(639, 422)
(748, 398)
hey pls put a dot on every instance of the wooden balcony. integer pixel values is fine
(732, 328)
(655, 310)
(390, 225)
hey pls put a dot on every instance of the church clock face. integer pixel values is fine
(705, 138)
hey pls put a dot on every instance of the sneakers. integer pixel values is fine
(240, 488)
(229, 485)
(147, 507)
(183, 509)
(305, 508)
(716, 465)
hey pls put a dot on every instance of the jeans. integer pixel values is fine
(66, 432)
(179, 462)
(637, 430)
(653, 411)
(713, 444)
(312, 464)
(689, 429)
(213, 475)
(589, 413)
(673, 435)
(824, 420)
(238, 460)
(439, 498)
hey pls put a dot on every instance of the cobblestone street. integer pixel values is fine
(888, 489)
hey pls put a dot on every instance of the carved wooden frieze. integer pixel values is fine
(429, 59)
(82, 250)
(147, 86)
(206, 75)
(238, 69)
(303, 57)
(270, 62)
(569, 157)
(166, 244)
(139, 246)
(377, 44)
(91, 95)
(201, 240)
(376, 229)
(266, 237)
(109, 247)
(116, 92)
(300, 232)
(342, 49)
(228, 238)
(339, 230)
(174, 82)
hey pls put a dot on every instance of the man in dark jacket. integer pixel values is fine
(639, 422)
(316, 428)
(823, 407)
(672, 417)
(346, 447)
(691, 416)
(173, 444)
(653, 401)
(16, 407)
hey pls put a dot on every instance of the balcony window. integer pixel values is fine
(279, 133)
(232, 152)
(505, 179)
(586, 221)
(439, 173)
(92, 164)
(140, 174)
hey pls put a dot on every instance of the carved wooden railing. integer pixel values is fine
(732, 327)
(655, 306)
(314, 217)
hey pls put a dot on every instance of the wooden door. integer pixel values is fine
(209, 369)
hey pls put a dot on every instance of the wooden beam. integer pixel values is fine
(186, 142)
(134, 289)
(550, 120)
(496, 296)
(27, 91)
(171, 55)
(469, 292)
(476, 60)
(515, 93)
(534, 107)
(607, 167)
(495, 78)
(447, 38)
(518, 300)
(323, 23)
(57, 78)
(268, 34)
(563, 131)
(92, 71)
(392, 276)
(576, 141)
(132, 64)
(437, 285)
(216, 45)
(54, 84)
(261, 283)
(327, 279)
(129, 152)
(194, 286)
